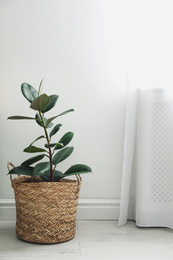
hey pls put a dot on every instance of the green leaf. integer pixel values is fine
(62, 155)
(40, 103)
(49, 125)
(22, 170)
(56, 176)
(40, 88)
(29, 92)
(33, 149)
(55, 130)
(45, 177)
(65, 140)
(20, 117)
(51, 145)
(52, 118)
(38, 138)
(33, 160)
(60, 145)
(77, 169)
(39, 122)
(41, 168)
(52, 102)
(65, 112)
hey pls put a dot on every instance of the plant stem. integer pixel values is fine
(48, 143)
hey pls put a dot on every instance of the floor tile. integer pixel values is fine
(94, 240)
(7, 226)
(61, 257)
(97, 225)
(12, 246)
(125, 249)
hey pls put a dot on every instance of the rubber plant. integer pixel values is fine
(56, 152)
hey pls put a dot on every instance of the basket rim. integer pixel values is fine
(24, 181)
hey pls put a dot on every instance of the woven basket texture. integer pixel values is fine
(46, 211)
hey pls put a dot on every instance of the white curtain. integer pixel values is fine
(149, 80)
(147, 191)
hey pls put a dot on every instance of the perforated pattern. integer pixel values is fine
(162, 152)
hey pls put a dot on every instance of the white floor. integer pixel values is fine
(93, 240)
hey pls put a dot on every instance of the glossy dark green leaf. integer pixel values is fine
(29, 92)
(60, 145)
(55, 130)
(45, 177)
(49, 125)
(33, 160)
(77, 169)
(56, 176)
(52, 118)
(33, 149)
(51, 145)
(40, 103)
(22, 170)
(20, 117)
(62, 155)
(41, 168)
(39, 122)
(65, 140)
(52, 102)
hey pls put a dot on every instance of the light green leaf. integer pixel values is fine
(55, 130)
(40, 103)
(33, 149)
(53, 99)
(65, 140)
(77, 169)
(22, 170)
(52, 118)
(41, 168)
(33, 160)
(62, 155)
(40, 87)
(29, 92)
(20, 117)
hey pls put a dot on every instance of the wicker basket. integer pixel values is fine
(46, 211)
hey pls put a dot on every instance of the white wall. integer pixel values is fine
(79, 46)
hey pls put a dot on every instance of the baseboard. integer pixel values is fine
(98, 209)
(88, 209)
(7, 210)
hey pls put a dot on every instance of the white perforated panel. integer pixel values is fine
(162, 152)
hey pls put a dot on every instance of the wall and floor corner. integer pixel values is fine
(79, 47)
(87, 50)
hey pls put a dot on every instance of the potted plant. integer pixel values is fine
(46, 202)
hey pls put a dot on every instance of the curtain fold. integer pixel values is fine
(129, 144)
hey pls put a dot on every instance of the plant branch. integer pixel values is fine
(48, 143)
